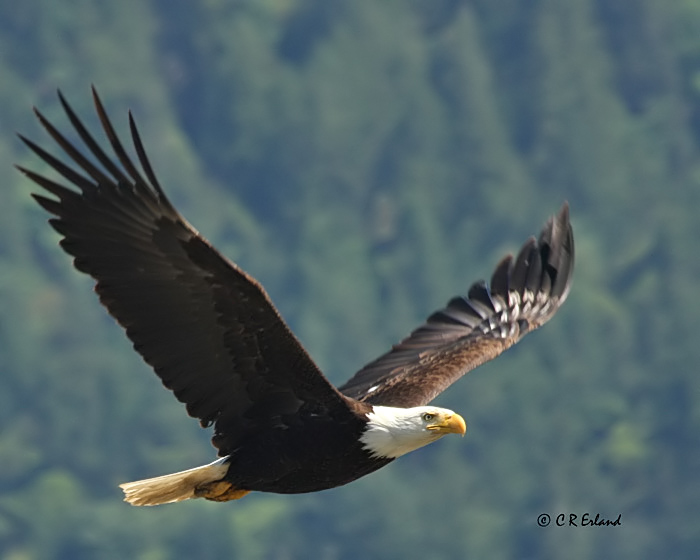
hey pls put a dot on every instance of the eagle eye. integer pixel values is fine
(428, 416)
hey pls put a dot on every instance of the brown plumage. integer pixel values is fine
(524, 294)
(213, 336)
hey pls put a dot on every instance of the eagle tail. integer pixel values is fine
(205, 481)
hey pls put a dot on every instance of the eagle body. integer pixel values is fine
(212, 335)
(289, 459)
(303, 465)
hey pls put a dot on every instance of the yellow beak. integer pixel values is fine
(451, 424)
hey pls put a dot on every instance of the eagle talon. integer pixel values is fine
(220, 491)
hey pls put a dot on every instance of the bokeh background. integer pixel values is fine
(366, 161)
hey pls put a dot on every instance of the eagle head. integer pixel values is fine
(392, 432)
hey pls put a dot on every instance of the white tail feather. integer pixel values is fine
(173, 487)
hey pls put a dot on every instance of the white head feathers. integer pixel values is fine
(392, 432)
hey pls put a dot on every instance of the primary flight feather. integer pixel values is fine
(212, 335)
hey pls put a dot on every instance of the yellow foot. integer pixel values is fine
(220, 491)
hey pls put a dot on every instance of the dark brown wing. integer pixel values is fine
(524, 294)
(208, 329)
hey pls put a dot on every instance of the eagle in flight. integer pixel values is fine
(211, 333)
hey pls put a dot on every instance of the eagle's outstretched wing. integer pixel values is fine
(207, 328)
(524, 294)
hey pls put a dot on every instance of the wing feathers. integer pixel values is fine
(525, 292)
(93, 147)
(208, 330)
(117, 147)
(143, 158)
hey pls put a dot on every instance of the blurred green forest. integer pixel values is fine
(366, 161)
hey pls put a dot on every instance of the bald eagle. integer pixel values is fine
(213, 336)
